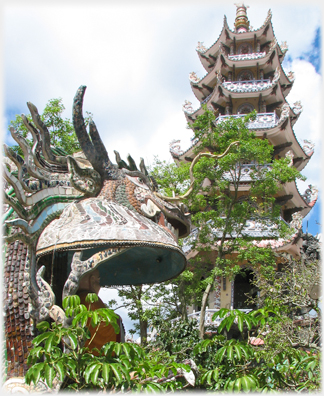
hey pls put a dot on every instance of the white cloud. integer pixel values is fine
(307, 88)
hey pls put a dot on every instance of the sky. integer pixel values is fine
(135, 59)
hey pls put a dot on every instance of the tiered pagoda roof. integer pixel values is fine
(245, 73)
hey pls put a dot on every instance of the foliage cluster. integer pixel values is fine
(234, 364)
(60, 358)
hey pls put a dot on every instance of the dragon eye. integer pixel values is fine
(140, 180)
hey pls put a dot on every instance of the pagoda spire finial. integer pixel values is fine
(242, 23)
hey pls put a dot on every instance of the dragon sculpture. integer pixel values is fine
(67, 215)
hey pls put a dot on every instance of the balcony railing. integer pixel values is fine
(253, 228)
(244, 172)
(247, 86)
(254, 55)
(208, 317)
(262, 120)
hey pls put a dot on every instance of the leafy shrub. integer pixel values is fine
(59, 357)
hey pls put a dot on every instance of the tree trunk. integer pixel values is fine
(203, 310)
(143, 331)
(183, 306)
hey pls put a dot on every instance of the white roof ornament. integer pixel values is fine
(284, 46)
(310, 194)
(284, 112)
(175, 147)
(187, 107)
(200, 47)
(193, 77)
(291, 76)
(308, 147)
(297, 107)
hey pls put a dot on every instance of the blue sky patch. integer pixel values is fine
(314, 55)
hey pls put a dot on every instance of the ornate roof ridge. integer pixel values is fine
(312, 192)
(268, 18)
(225, 24)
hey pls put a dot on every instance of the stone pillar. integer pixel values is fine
(232, 49)
(229, 76)
(263, 106)
(258, 46)
(227, 108)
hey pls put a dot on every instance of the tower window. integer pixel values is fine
(245, 75)
(245, 108)
(244, 48)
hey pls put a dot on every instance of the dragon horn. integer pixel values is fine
(94, 150)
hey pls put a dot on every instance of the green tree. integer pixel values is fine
(267, 349)
(61, 130)
(147, 305)
(219, 206)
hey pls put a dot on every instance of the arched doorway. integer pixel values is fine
(244, 289)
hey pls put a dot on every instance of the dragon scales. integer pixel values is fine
(68, 215)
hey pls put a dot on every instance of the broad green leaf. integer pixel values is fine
(106, 372)
(71, 302)
(94, 319)
(230, 321)
(73, 341)
(126, 373)
(230, 385)
(208, 377)
(49, 375)
(204, 377)
(248, 353)
(152, 387)
(230, 352)
(43, 326)
(127, 350)
(216, 374)
(253, 381)
(49, 343)
(117, 348)
(81, 319)
(40, 338)
(245, 384)
(88, 371)
(220, 354)
(71, 364)
(60, 370)
(221, 326)
(94, 374)
(116, 369)
(238, 351)
(38, 351)
(240, 323)
(91, 298)
(108, 349)
(35, 372)
(237, 384)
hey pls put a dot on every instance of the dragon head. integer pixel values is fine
(100, 214)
